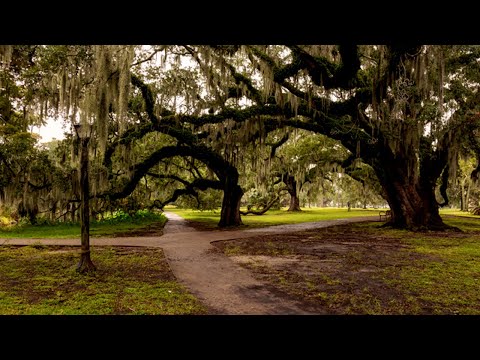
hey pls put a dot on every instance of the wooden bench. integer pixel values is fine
(385, 214)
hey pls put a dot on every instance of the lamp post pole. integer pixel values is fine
(83, 135)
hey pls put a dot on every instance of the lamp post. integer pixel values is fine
(83, 135)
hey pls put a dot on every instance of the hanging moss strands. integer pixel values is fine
(5, 55)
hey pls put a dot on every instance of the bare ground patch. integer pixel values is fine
(338, 270)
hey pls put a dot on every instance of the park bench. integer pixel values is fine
(385, 214)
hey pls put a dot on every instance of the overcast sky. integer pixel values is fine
(52, 130)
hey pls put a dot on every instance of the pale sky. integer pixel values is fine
(52, 130)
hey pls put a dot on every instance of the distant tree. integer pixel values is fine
(307, 158)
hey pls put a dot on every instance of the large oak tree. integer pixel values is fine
(400, 109)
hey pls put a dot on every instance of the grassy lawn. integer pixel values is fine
(363, 269)
(42, 280)
(448, 276)
(457, 212)
(209, 219)
(69, 230)
(275, 217)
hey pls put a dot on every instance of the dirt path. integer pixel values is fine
(222, 285)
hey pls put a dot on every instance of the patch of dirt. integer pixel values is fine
(343, 269)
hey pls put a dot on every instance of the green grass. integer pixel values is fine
(447, 277)
(42, 280)
(451, 280)
(457, 212)
(275, 217)
(468, 223)
(69, 230)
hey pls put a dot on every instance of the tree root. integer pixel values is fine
(85, 265)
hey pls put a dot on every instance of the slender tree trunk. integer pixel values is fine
(85, 265)
(462, 196)
(292, 190)
(232, 195)
(324, 196)
(467, 197)
(364, 196)
(294, 203)
(53, 211)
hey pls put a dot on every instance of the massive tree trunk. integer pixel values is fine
(413, 207)
(85, 264)
(232, 195)
(410, 193)
(291, 183)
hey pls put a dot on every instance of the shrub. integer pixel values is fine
(122, 216)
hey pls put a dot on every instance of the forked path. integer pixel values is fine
(223, 286)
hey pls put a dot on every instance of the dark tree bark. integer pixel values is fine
(85, 265)
(72, 213)
(410, 192)
(364, 196)
(323, 196)
(291, 183)
(413, 207)
(232, 195)
(467, 196)
(463, 206)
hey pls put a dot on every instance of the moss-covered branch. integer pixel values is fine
(254, 93)
(190, 189)
(277, 144)
(168, 176)
(126, 138)
(215, 162)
